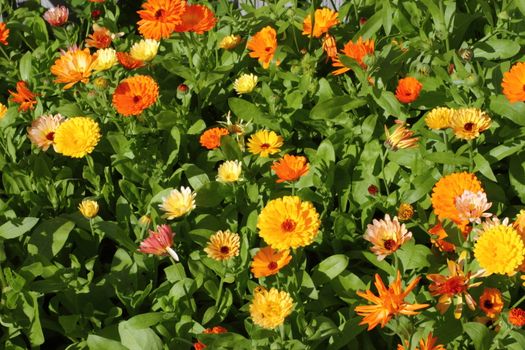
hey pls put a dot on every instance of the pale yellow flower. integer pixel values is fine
(3, 111)
(88, 208)
(178, 203)
(104, 59)
(269, 308)
(145, 50)
(229, 171)
(245, 83)
(230, 42)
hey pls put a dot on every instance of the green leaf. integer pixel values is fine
(414, 256)
(479, 334)
(494, 49)
(113, 231)
(49, 237)
(447, 157)
(383, 265)
(138, 338)
(483, 166)
(231, 148)
(211, 194)
(17, 227)
(249, 112)
(517, 174)
(40, 30)
(513, 111)
(25, 66)
(329, 268)
(196, 176)
(95, 342)
(372, 25)
(333, 107)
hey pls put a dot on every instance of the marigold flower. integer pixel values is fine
(500, 250)
(73, 66)
(519, 223)
(229, 171)
(101, 83)
(230, 42)
(101, 37)
(23, 96)
(512, 83)
(468, 123)
(160, 17)
(517, 317)
(4, 33)
(145, 50)
(264, 143)
(408, 90)
(145, 220)
(439, 118)
(196, 18)
(269, 308)
(104, 59)
(405, 212)
(133, 95)
(56, 16)
(159, 242)
(215, 330)
(88, 208)
(290, 168)
(325, 19)
(388, 303)
(223, 245)
(245, 83)
(438, 236)
(401, 138)
(472, 206)
(3, 111)
(358, 51)
(386, 235)
(329, 46)
(269, 261)
(178, 203)
(288, 222)
(263, 45)
(128, 62)
(42, 130)
(77, 137)
(445, 192)
(491, 302)
(453, 287)
(211, 138)
(428, 343)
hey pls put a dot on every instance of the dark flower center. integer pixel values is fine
(488, 304)
(389, 244)
(469, 126)
(288, 225)
(159, 13)
(272, 265)
(225, 250)
(51, 136)
(265, 146)
(136, 99)
(268, 49)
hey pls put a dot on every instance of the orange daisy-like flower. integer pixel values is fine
(325, 19)
(42, 130)
(215, 330)
(438, 236)
(133, 95)
(211, 138)
(290, 168)
(388, 303)
(73, 66)
(358, 51)
(100, 39)
(453, 287)
(517, 317)
(23, 96)
(387, 236)
(269, 261)
(160, 17)
(197, 18)
(4, 33)
(330, 47)
(491, 302)
(447, 190)
(263, 45)
(408, 90)
(514, 82)
(428, 343)
(129, 62)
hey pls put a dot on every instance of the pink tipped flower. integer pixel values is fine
(160, 242)
(42, 130)
(57, 16)
(472, 206)
(387, 236)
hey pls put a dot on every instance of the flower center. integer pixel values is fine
(136, 99)
(469, 126)
(225, 250)
(454, 285)
(159, 13)
(51, 136)
(389, 244)
(288, 225)
(488, 304)
(272, 265)
(268, 49)
(265, 146)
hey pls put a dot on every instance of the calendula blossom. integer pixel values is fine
(145, 50)
(245, 83)
(401, 138)
(159, 242)
(178, 203)
(230, 42)
(229, 171)
(104, 59)
(88, 208)
(269, 308)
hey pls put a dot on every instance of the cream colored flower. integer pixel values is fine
(229, 171)
(245, 83)
(178, 203)
(472, 206)
(88, 208)
(42, 131)
(230, 42)
(145, 50)
(104, 59)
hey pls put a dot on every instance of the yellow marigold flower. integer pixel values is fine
(223, 245)
(88, 208)
(178, 203)
(145, 50)
(229, 171)
(269, 308)
(288, 222)
(500, 250)
(245, 83)
(264, 143)
(439, 118)
(3, 111)
(77, 137)
(104, 59)
(42, 130)
(405, 212)
(468, 123)
(230, 42)
(401, 138)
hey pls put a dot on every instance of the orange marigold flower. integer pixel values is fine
(491, 302)
(290, 168)
(408, 90)
(330, 47)
(513, 83)
(196, 18)
(215, 330)
(438, 236)
(160, 17)
(100, 39)
(211, 138)
(447, 190)
(388, 303)
(325, 19)
(428, 343)
(263, 45)
(4, 33)
(387, 236)
(73, 66)
(23, 96)
(269, 261)
(517, 317)
(401, 138)
(129, 62)
(133, 95)
(358, 51)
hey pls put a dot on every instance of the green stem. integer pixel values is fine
(383, 159)
(518, 302)
(3, 283)
(219, 292)
(470, 156)
(293, 188)
(281, 333)
(4, 53)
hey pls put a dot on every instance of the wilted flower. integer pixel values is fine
(472, 206)
(230, 42)
(229, 171)
(104, 59)
(245, 83)
(159, 242)
(223, 245)
(57, 16)
(329, 46)
(386, 235)
(145, 50)
(401, 138)
(42, 130)
(438, 236)
(23, 96)
(405, 212)
(178, 203)
(269, 308)
(88, 208)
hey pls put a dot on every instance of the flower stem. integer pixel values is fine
(293, 188)
(219, 292)
(3, 283)
(518, 302)
(383, 159)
